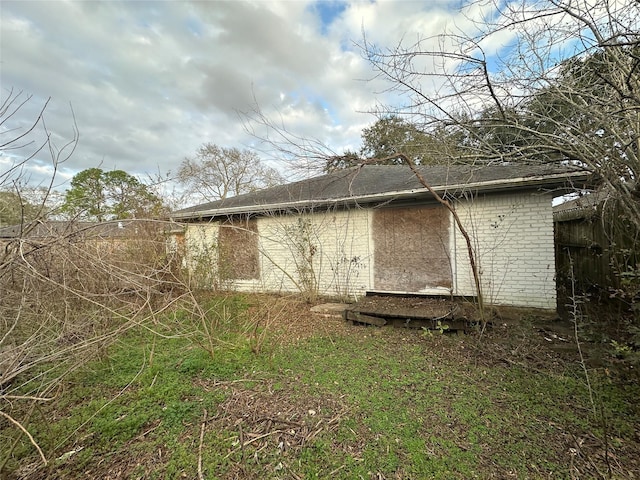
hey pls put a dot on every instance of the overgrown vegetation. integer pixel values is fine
(111, 362)
(67, 293)
(343, 402)
(301, 239)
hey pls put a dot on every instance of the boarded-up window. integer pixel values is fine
(411, 248)
(238, 250)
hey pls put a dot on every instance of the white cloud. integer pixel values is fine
(151, 81)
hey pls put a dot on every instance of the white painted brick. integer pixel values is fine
(513, 238)
(341, 263)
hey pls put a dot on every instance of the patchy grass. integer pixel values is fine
(343, 402)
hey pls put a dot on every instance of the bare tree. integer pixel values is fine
(311, 151)
(18, 333)
(22, 141)
(216, 172)
(67, 289)
(564, 87)
(70, 289)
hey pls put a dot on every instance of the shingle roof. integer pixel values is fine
(584, 206)
(372, 183)
(46, 229)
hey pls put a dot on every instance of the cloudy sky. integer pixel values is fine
(149, 82)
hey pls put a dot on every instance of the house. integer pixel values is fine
(376, 228)
(104, 234)
(94, 257)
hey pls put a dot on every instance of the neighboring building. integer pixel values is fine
(115, 256)
(103, 233)
(377, 228)
(118, 238)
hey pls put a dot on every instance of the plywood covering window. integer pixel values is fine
(238, 250)
(411, 249)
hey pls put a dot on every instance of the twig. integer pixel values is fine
(336, 471)
(27, 397)
(249, 442)
(26, 432)
(585, 455)
(278, 420)
(204, 422)
(261, 437)
(575, 313)
(153, 382)
(231, 382)
(313, 435)
(241, 438)
(144, 434)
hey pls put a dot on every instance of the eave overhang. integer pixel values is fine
(559, 183)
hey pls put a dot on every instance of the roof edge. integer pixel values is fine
(552, 180)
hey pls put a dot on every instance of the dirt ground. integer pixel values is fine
(538, 338)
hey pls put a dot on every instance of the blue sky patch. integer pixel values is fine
(329, 10)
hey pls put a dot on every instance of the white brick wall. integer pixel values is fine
(201, 252)
(513, 240)
(512, 235)
(342, 259)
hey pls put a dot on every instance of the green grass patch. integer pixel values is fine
(391, 405)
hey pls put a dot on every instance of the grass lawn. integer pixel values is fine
(324, 399)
